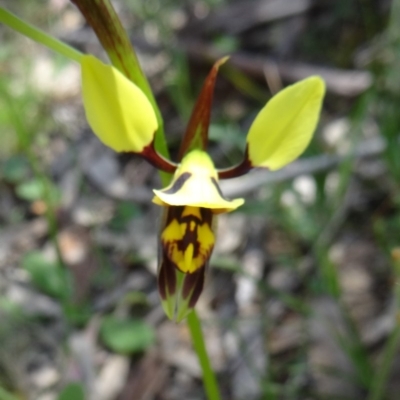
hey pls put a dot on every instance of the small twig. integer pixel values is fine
(238, 17)
(251, 182)
(343, 82)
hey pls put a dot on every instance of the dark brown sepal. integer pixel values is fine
(196, 135)
(193, 286)
(166, 279)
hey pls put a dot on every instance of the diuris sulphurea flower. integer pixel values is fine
(122, 117)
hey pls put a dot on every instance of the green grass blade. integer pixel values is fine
(28, 30)
(210, 381)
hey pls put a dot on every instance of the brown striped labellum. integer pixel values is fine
(187, 236)
(187, 240)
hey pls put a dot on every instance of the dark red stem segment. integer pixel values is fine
(196, 135)
(157, 160)
(237, 170)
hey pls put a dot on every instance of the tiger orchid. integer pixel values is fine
(122, 117)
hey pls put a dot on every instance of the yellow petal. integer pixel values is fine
(188, 239)
(195, 184)
(116, 109)
(284, 127)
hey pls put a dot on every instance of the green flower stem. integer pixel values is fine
(103, 19)
(210, 382)
(9, 19)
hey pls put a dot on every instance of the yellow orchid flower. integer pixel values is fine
(195, 184)
(187, 237)
(122, 117)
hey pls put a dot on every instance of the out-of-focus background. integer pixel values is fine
(302, 297)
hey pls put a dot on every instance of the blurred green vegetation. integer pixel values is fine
(28, 128)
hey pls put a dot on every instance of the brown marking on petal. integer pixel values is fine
(173, 212)
(166, 278)
(207, 216)
(190, 235)
(189, 225)
(193, 286)
(177, 185)
(215, 183)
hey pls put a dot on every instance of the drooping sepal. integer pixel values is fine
(196, 135)
(192, 286)
(187, 288)
(284, 127)
(117, 110)
(167, 286)
(195, 184)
